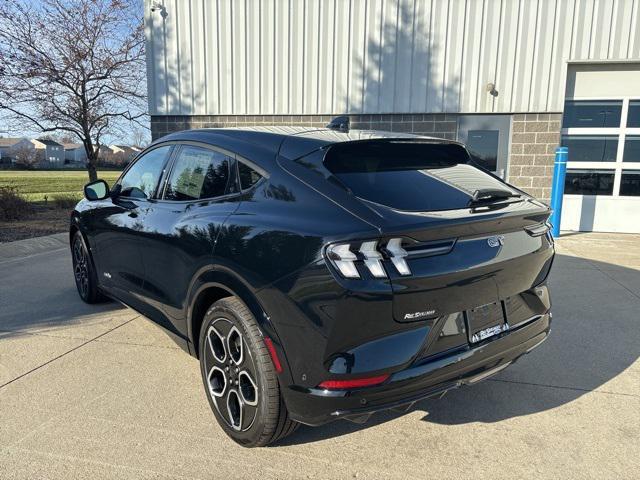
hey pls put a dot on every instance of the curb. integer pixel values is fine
(32, 246)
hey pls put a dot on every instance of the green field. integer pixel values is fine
(35, 185)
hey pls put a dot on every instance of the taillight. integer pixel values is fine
(353, 383)
(397, 253)
(344, 260)
(346, 256)
(373, 259)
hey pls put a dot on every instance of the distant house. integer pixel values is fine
(117, 155)
(74, 154)
(126, 151)
(52, 155)
(21, 151)
(6, 145)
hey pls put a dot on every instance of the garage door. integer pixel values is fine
(601, 128)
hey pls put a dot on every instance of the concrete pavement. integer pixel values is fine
(100, 392)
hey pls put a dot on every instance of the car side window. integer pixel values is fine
(248, 176)
(141, 180)
(199, 173)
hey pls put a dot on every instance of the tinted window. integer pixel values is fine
(631, 149)
(633, 116)
(198, 173)
(591, 114)
(591, 148)
(248, 176)
(141, 180)
(483, 147)
(409, 176)
(589, 182)
(630, 183)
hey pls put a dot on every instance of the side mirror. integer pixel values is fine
(98, 190)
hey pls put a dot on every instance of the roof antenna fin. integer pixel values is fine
(340, 124)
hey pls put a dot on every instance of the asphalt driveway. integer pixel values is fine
(100, 392)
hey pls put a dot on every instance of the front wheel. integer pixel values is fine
(83, 272)
(239, 376)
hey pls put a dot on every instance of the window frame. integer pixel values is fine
(135, 160)
(233, 172)
(253, 166)
(620, 132)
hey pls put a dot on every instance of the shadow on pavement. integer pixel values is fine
(594, 337)
(40, 293)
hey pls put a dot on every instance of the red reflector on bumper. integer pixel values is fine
(353, 383)
(274, 354)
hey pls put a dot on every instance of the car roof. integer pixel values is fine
(289, 141)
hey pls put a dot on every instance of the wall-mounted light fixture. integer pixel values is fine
(158, 7)
(491, 89)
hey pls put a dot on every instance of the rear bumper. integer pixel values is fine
(431, 378)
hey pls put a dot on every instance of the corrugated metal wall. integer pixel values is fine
(211, 57)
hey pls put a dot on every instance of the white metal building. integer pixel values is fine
(496, 74)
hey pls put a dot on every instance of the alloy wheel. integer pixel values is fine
(81, 267)
(231, 374)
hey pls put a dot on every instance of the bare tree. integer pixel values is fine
(140, 137)
(73, 67)
(26, 156)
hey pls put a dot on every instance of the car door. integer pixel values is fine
(181, 228)
(118, 225)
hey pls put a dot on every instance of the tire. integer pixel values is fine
(84, 272)
(239, 378)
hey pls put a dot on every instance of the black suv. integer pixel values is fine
(319, 274)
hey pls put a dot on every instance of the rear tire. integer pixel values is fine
(83, 271)
(239, 378)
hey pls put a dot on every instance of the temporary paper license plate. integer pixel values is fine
(486, 321)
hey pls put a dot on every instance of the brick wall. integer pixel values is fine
(534, 138)
(435, 125)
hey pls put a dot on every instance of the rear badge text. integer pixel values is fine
(413, 316)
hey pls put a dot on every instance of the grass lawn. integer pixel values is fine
(35, 184)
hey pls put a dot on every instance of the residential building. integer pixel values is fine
(126, 152)
(50, 153)
(112, 155)
(6, 145)
(510, 79)
(75, 154)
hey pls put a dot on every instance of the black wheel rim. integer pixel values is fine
(81, 267)
(231, 375)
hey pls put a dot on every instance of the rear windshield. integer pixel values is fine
(409, 176)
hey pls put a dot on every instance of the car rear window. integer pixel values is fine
(409, 176)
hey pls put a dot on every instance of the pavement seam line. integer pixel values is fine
(578, 389)
(96, 462)
(64, 337)
(613, 279)
(31, 255)
(66, 353)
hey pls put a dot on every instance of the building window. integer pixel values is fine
(630, 183)
(483, 148)
(592, 114)
(589, 182)
(631, 149)
(633, 116)
(588, 148)
(603, 137)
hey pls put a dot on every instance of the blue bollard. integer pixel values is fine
(557, 189)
